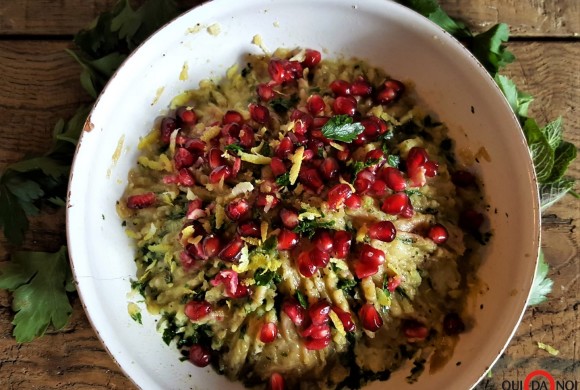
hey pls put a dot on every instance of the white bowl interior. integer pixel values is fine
(408, 47)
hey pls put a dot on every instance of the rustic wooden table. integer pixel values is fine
(39, 84)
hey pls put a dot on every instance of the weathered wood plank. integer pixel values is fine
(556, 18)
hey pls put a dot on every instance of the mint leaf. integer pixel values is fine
(518, 100)
(342, 128)
(553, 132)
(37, 281)
(564, 154)
(551, 193)
(540, 150)
(542, 285)
(490, 50)
(431, 10)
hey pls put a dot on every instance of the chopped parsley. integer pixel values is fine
(342, 128)
(308, 227)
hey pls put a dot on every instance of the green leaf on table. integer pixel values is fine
(490, 50)
(551, 193)
(553, 132)
(518, 100)
(12, 216)
(564, 154)
(70, 132)
(431, 10)
(540, 150)
(342, 128)
(542, 285)
(37, 281)
(48, 166)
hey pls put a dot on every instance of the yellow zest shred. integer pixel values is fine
(342, 181)
(151, 232)
(186, 233)
(220, 215)
(252, 241)
(244, 261)
(149, 140)
(362, 233)
(337, 322)
(257, 159)
(264, 230)
(210, 133)
(337, 146)
(296, 164)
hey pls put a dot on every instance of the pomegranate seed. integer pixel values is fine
(259, 113)
(167, 127)
(247, 136)
(316, 344)
(223, 172)
(471, 220)
(182, 158)
(232, 250)
(241, 292)
(308, 155)
(196, 310)
(438, 234)
(236, 166)
(196, 251)
(317, 332)
(361, 139)
(185, 178)
(277, 71)
(214, 158)
(311, 179)
(389, 92)
(232, 116)
(249, 229)
(431, 168)
(195, 146)
(186, 116)
(370, 317)
(305, 265)
(276, 382)
(265, 92)
(141, 201)
(194, 210)
(329, 168)
(319, 312)
(379, 188)
(371, 255)
(337, 195)
(394, 204)
(417, 157)
(311, 58)
(302, 122)
(319, 258)
(268, 201)
(407, 211)
(287, 240)
(393, 282)
(346, 319)
(186, 260)
(364, 180)
(294, 69)
(361, 87)
(383, 128)
(285, 148)
(353, 202)
(231, 131)
(453, 324)
(372, 129)
(342, 241)
(364, 270)
(289, 218)
(268, 332)
(344, 105)
(323, 241)
(343, 155)
(375, 154)
(211, 245)
(278, 167)
(315, 104)
(340, 88)
(294, 311)
(319, 121)
(462, 178)
(384, 231)
(238, 209)
(414, 330)
(199, 355)
(394, 178)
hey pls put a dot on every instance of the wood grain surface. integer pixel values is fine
(39, 84)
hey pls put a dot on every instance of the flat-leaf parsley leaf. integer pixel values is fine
(342, 128)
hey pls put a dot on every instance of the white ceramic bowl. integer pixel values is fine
(408, 47)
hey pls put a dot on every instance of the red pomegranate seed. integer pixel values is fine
(471, 220)
(364, 180)
(414, 330)
(462, 178)
(185, 178)
(305, 265)
(231, 131)
(241, 292)
(195, 146)
(289, 218)
(343, 155)
(315, 104)
(249, 229)
(408, 210)
(337, 195)
(246, 135)
(294, 311)
(364, 270)
(372, 129)
(393, 282)
(346, 319)
(302, 122)
(278, 167)
(238, 209)
(219, 173)
(141, 201)
(196, 251)
(277, 71)
(182, 158)
(361, 87)
(186, 260)
(294, 69)
(199, 355)
(196, 310)
(311, 179)
(259, 113)
(319, 258)
(316, 344)
(417, 157)
(186, 116)
(308, 155)
(236, 166)
(285, 148)
(361, 139)
(371, 255)
(383, 128)
(453, 324)
(379, 188)
(265, 92)
(431, 168)
(317, 332)
(287, 240)
(232, 116)
(384, 231)
(232, 250)
(194, 210)
(394, 204)
(342, 241)
(167, 127)
(267, 200)
(329, 168)
(276, 382)
(394, 178)
(319, 312)
(311, 58)
(211, 245)
(375, 154)
(370, 317)
(323, 241)
(389, 92)
(319, 121)
(353, 202)
(344, 105)
(214, 158)
(438, 233)
(340, 88)
(268, 332)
